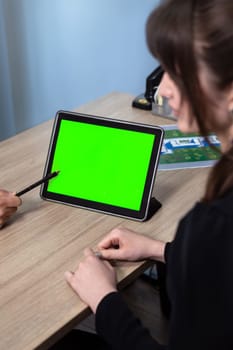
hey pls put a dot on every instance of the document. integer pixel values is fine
(181, 150)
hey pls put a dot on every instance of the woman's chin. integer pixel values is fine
(187, 128)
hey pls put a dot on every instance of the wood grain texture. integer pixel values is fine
(45, 239)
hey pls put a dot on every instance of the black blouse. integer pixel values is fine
(199, 285)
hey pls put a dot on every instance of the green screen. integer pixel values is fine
(101, 163)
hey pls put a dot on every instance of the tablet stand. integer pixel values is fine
(153, 207)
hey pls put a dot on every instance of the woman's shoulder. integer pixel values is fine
(225, 203)
(207, 220)
(221, 206)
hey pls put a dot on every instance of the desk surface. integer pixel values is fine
(45, 239)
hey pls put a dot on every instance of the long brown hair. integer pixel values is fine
(181, 34)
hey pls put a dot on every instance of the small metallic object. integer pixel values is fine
(98, 254)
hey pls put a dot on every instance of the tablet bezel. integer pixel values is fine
(140, 215)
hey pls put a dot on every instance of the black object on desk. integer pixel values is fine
(99, 173)
(145, 101)
(37, 183)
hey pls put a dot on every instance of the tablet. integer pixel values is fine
(104, 164)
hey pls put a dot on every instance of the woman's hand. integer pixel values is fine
(124, 244)
(92, 280)
(95, 277)
(9, 203)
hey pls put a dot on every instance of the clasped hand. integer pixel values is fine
(95, 277)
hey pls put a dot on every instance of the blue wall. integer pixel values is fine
(59, 54)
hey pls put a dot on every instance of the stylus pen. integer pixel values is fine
(37, 183)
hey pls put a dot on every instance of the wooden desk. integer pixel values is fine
(45, 239)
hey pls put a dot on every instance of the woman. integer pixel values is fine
(193, 41)
(8, 205)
